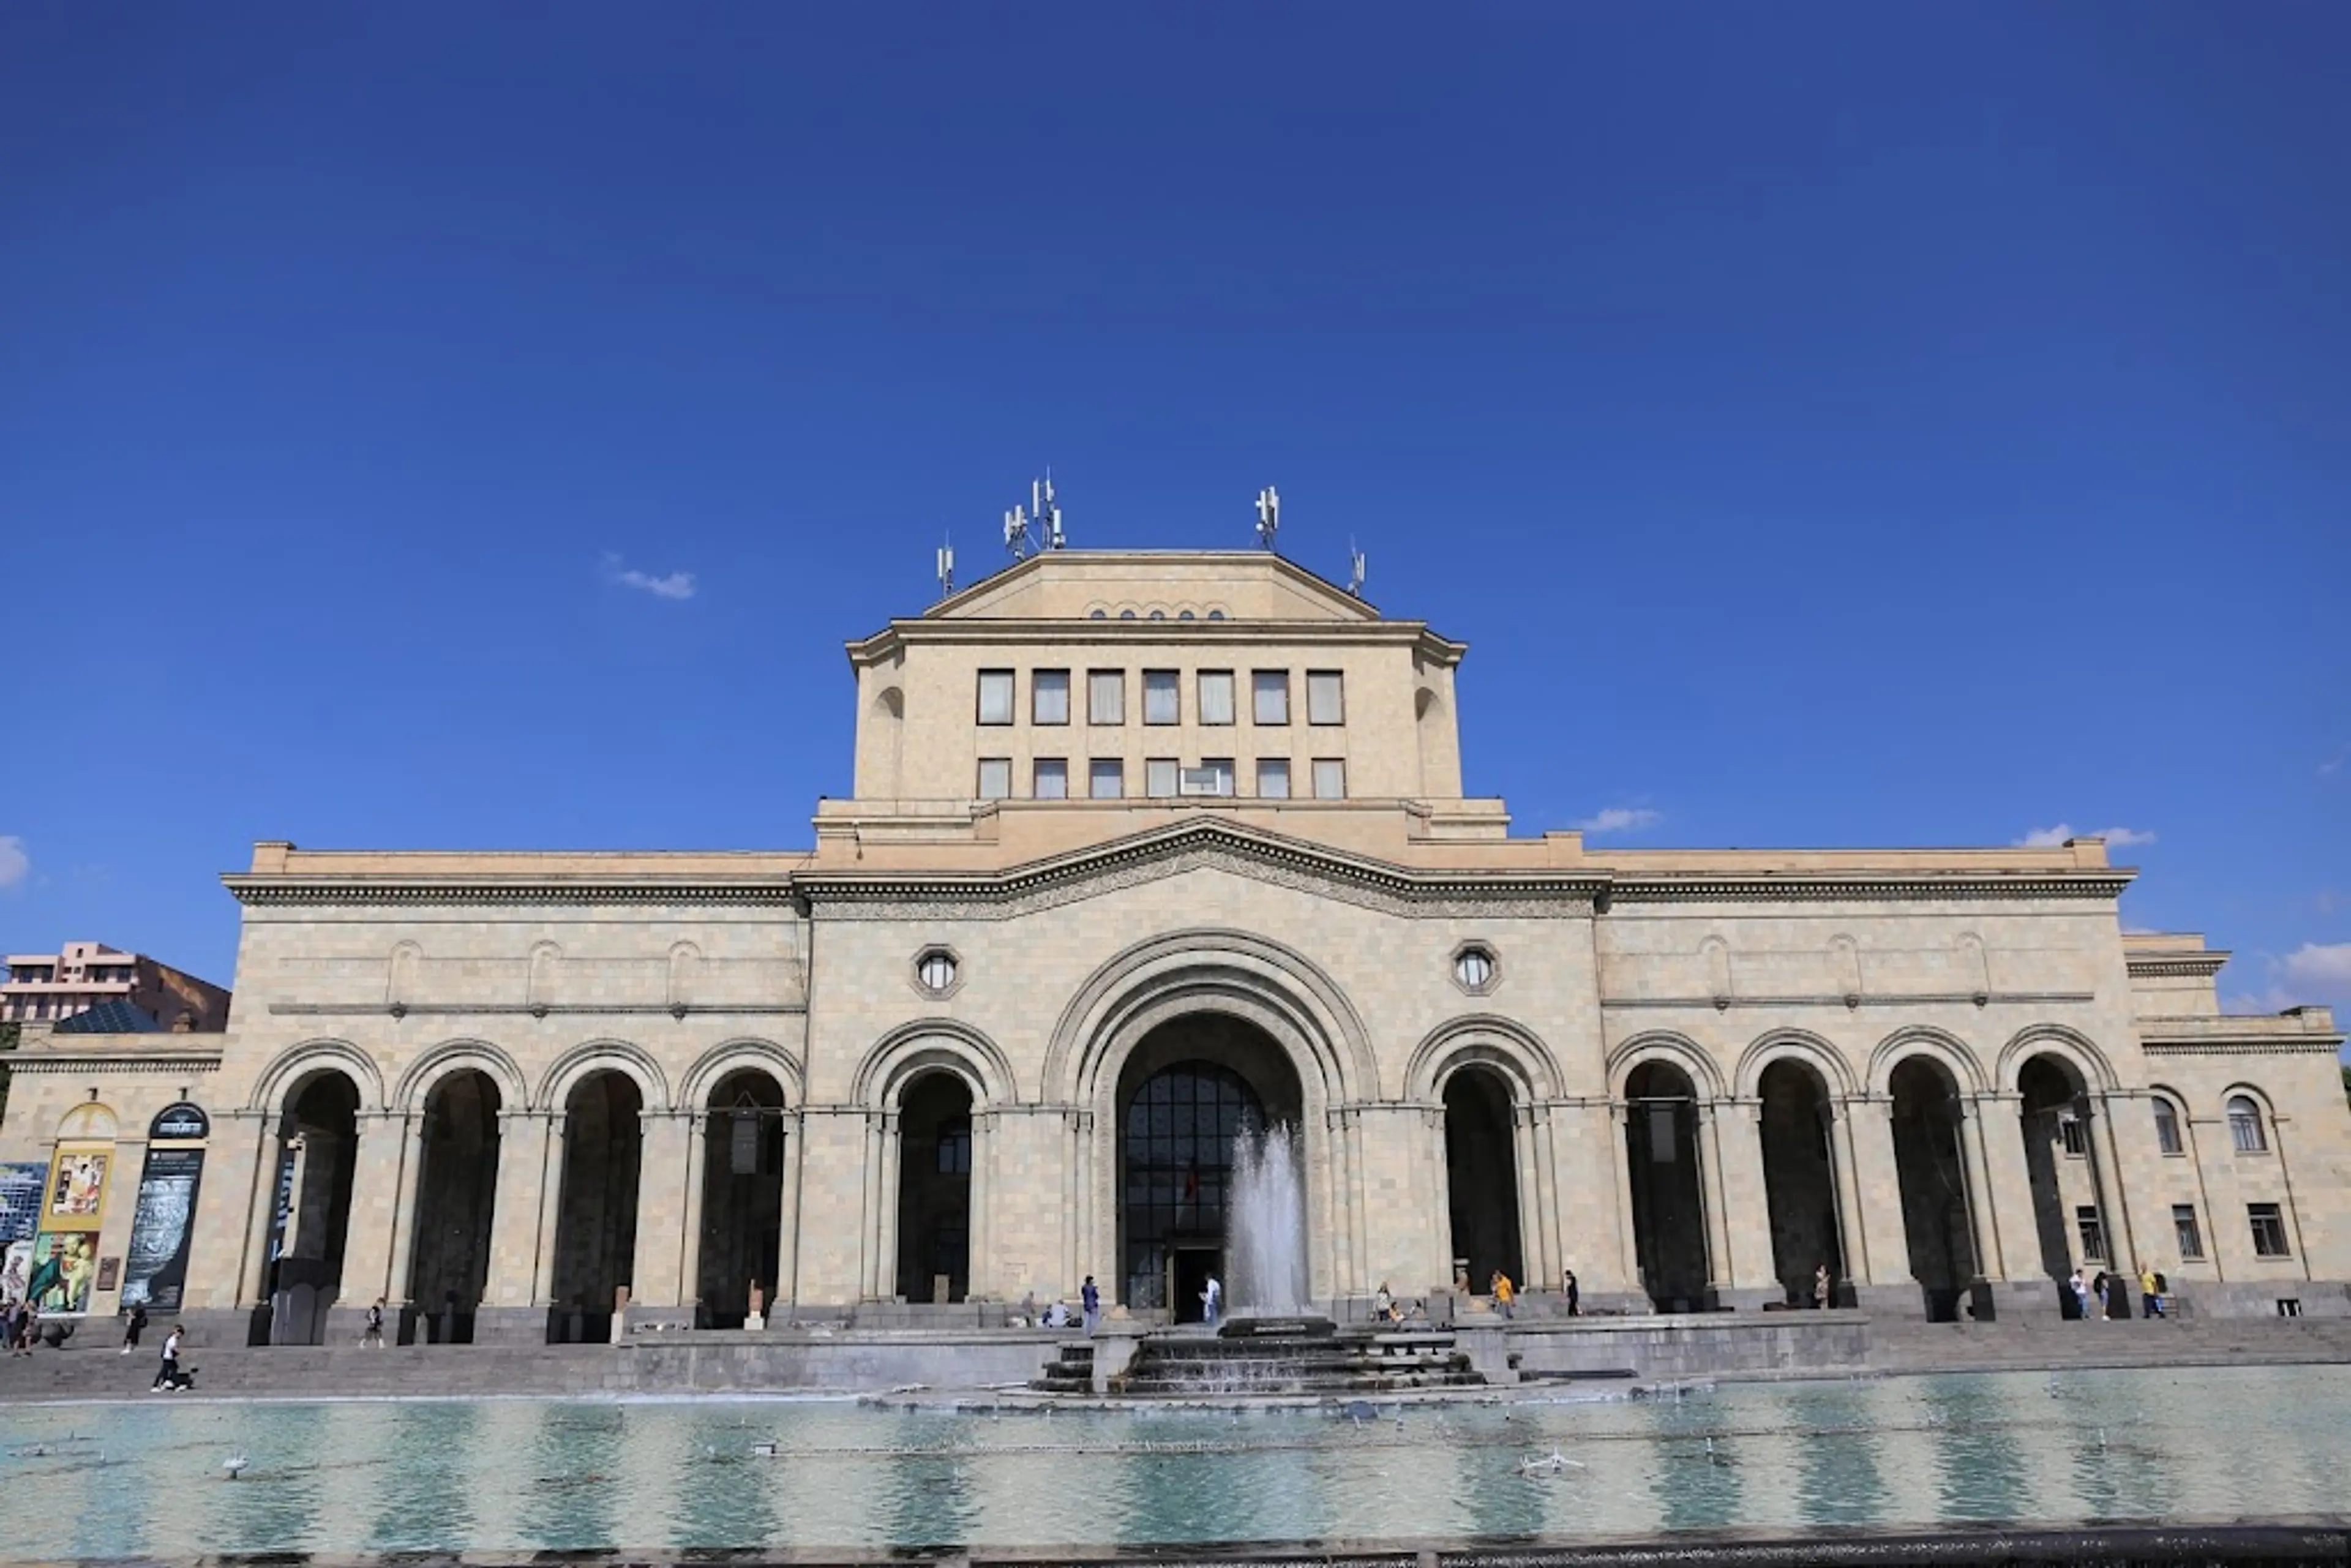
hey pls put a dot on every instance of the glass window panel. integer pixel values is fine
(1329, 779)
(1159, 776)
(1269, 695)
(1325, 701)
(994, 777)
(1052, 779)
(996, 697)
(1273, 778)
(1048, 697)
(1106, 696)
(1106, 778)
(1216, 696)
(1161, 701)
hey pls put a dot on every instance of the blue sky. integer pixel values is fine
(481, 426)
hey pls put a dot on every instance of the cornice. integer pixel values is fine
(533, 1010)
(268, 890)
(1814, 887)
(2198, 965)
(1862, 999)
(1065, 633)
(2272, 1045)
(36, 1063)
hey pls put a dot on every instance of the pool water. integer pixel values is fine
(147, 1476)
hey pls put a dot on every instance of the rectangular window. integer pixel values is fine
(1269, 696)
(1048, 697)
(1216, 696)
(1159, 778)
(2094, 1233)
(994, 777)
(2183, 1227)
(1052, 779)
(1326, 702)
(1160, 703)
(1106, 696)
(1106, 778)
(1273, 778)
(996, 697)
(2069, 1130)
(1329, 779)
(954, 1149)
(2167, 1128)
(1213, 777)
(2269, 1230)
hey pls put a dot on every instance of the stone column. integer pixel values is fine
(380, 1183)
(515, 1212)
(655, 1280)
(253, 1272)
(1714, 1197)
(1533, 1245)
(1747, 1202)
(689, 1252)
(884, 1271)
(786, 1284)
(547, 1207)
(1852, 1237)
(1628, 1250)
(2114, 1203)
(1877, 1182)
(980, 1265)
(402, 1275)
(1548, 1223)
(1991, 1241)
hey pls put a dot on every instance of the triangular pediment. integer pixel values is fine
(1170, 585)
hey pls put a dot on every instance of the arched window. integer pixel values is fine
(2246, 1126)
(2166, 1128)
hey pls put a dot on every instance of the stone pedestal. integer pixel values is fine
(1114, 1346)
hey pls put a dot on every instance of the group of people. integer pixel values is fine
(20, 1325)
(2105, 1295)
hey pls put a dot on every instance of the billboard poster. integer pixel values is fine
(281, 1209)
(78, 1183)
(156, 1268)
(63, 1267)
(20, 1187)
(16, 1268)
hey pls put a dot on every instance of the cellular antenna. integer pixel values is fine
(1043, 516)
(1016, 534)
(1354, 570)
(1269, 517)
(947, 568)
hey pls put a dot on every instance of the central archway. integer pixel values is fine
(1185, 1094)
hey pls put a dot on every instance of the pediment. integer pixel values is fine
(1237, 849)
(1072, 585)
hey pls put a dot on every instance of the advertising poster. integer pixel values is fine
(65, 1267)
(16, 1268)
(20, 1187)
(156, 1269)
(78, 1183)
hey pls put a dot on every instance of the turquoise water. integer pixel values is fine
(145, 1477)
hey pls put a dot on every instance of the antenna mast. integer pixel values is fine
(1355, 565)
(1044, 514)
(1269, 517)
(946, 568)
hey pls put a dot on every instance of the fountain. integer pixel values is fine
(1274, 1342)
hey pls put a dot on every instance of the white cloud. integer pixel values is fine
(1621, 820)
(2050, 838)
(2319, 971)
(676, 585)
(2333, 764)
(15, 863)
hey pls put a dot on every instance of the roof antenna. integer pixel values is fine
(1269, 517)
(946, 568)
(1355, 568)
(1044, 514)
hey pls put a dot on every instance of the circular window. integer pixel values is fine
(1216, 615)
(936, 971)
(1098, 615)
(1473, 968)
(1185, 615)
(1159, 615)
(1126, 615)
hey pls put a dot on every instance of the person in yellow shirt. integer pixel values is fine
(1504, 1294)
(2150, 1295)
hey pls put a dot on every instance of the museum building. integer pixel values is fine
(1147, 851)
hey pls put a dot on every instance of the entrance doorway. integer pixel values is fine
(1799, 1179)
(934, 1189)
(1481, 1177)
(742, 1196)
(456, 1190)
(1188, 1093)
(1668, 1208)
(317, 1157)
(596, 1221)
(2055, 1124)
(1933, 1177)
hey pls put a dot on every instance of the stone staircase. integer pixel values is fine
(1200, 1365)
(2035, 1343)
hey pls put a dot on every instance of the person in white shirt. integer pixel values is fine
(167, 1376)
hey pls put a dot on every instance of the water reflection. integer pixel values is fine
(518, 1476)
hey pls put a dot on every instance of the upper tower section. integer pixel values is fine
(1147, 675)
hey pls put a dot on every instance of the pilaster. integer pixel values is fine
(1746, 1211)
(381, 1178)
(656, 1282)
(1877, 1181)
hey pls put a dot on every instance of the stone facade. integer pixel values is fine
(918, 1056)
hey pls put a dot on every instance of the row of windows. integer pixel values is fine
(2247, 1135)
(2266, 1221)
(1162, 778)
(1163, 696)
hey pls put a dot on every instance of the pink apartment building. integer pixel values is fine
(53, 987)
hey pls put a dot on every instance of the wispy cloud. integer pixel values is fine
(15, 863)
(674, 585)
(1621, 820)
(2334, 765)
(2050, 838)
(2316, 970)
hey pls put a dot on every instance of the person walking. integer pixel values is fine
(2081, 1289)
(1212, 1301)
(1574, 1296)
(1823, 1289)
(373, 1333)
(167, 1376)
(1382, 1304)
(2150, 1292)
(1505, 1295)
(133, 1328)
(1090, 1297)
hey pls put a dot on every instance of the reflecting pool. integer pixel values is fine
(148, 1476)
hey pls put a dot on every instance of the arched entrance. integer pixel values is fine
(935, 1188)
(456, 1186)
(1668, 1210)
(1185, 1094)
(2054, 1121)
(1799, 1177)
(318, 1156)
(742, 1196)
(1481, 1176)
(596, 1219)
(1933, 1177)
